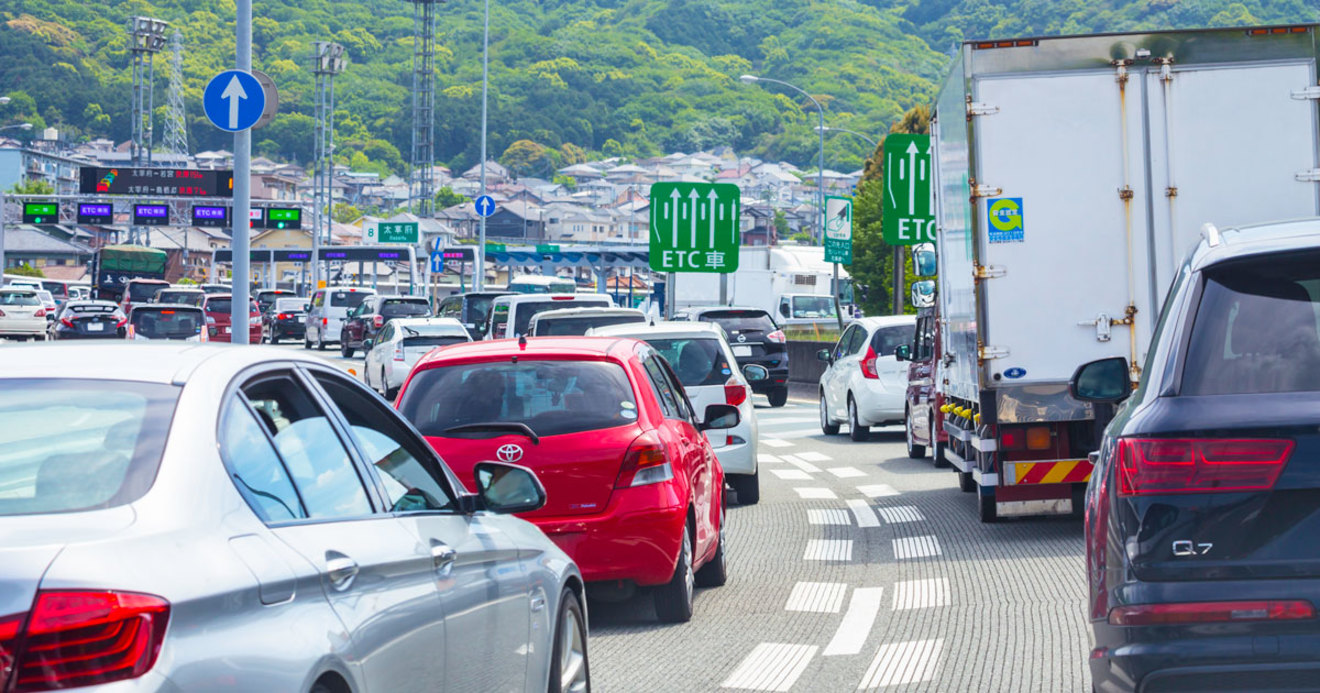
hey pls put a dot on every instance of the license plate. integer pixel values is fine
(95, 326)
(742, 350)
(300, 319)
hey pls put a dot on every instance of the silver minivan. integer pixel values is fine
(510, 316)
(327, 310)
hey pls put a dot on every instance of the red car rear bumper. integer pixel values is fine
(637, 538)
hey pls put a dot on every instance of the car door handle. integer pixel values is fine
(442, 556)
(340, 569)
(538, 603)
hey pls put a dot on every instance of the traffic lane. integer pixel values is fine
(352, 365)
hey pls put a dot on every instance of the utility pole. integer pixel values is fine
(479, 281)
(238, 324)
(146, 38)
(327, 62)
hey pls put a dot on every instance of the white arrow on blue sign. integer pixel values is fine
(234, 100)
(485, 205)
(438, 263)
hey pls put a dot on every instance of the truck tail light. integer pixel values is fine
(868, 365)
(324, 322)
(735, 393)
(777, 337)
(646, 462)
(1155, 466)
(378, 321)
(81, 639)
(1210, 612)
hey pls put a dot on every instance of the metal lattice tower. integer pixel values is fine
(176, 124)
(327, 61)
(421, 189)
(146, 38)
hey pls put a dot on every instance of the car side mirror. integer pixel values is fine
(307, 307)
(824, 355)
(903, 352)
(367, 344)
(1103, 382)
(755, 373)
(720, 417)
(508, 488)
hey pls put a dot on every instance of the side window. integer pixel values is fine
(450, 308)
(412, 478)
(680, 395)
(841, 347)
(255, 467)
(655, 373)
(316, 459)
(385, 335)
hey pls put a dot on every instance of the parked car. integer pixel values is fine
(510, 316)
(472, 309)
(568, 322)
(139, 291)
(709, 372)
(864, 383)
(257, 520)
(329, 308)
(923, 422)
(1201, 558)
(90, 320)
(362, 323)
(167, 321)
(285, 318)
(265, 297)
(755, 338)
(636, 493)
(218, 309)
(22, 315)
(188, 296)
(398, 346)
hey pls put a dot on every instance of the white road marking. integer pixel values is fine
(904, 662)
(771, 667)
(916, 547)
(828, 550)
(791, 474)
(811, 456)
(818, 597)
(901, 513)
(878, 490)
(830, 516)
(776, 420)
(846, 472)
(857, 621)
(921, 594)
(815, 493)
(776, 443)
(763, 458)
(862, 509)
(799, 432)
(804, 466)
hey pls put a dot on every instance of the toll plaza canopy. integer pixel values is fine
(599, 258)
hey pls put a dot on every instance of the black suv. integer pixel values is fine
(1202, 511)
(472, 309)
(363, 322)
(755, 338)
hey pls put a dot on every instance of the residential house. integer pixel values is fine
(28, 245)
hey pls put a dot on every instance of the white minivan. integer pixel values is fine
(329, 307)
(511, 315)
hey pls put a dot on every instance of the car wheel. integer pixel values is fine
(716, 572)
(778, 397)
(569, 667)
(307, 342)
(965, 482)
(747, 486)
(320, 342)
(673, 600)
(344, 349)
(826, 426)
(914, 451)
(856, 431)
(274, 337)
(986, 506)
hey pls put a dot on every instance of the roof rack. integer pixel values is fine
(1210, 233)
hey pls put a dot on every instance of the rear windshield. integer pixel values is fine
(887, 339)
(551, 397)
(578, 326)
(167, 323)
(14, 298)
(191, 298)
(530, 308)
(111, 435)
(220, 305)
(91, 308)
(289, 305)
(741, 320)
(348, 299)
(1256, 329)
(697, 361)
(138, 292)
(438, 340)
(478, 309)
(55, 288)
(813, 307)
(404, 308)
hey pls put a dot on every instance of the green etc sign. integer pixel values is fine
(694, 227)
(907, 215)
(393, 232)
(838, 229)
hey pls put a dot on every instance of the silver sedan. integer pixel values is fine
(245, 518)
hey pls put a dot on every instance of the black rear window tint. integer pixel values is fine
(578, 326)
(887, 339)
(527, 310)
(168, 323)
(140, 292)
(219, 305)
(741, 320)
(400, 308)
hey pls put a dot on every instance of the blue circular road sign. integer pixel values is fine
(234, 100)
(485, 205)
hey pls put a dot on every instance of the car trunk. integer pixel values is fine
(93, 324)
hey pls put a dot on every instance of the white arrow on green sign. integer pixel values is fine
(907, 215)
(695, 227)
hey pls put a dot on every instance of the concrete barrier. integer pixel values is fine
(803, 367)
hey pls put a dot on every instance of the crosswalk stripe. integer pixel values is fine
(828, 516)
(916, 547)
(904, 662)
(815, 493)
(765, 421)
(791, 474)
(817, 597)
(901, 513)
(857, 621)
(804, 466)
(828, 550)
(771, 667)
(862, 509)
(796, 433)
(777, 443)
(921, 594)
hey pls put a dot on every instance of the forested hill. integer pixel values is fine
(574, 77)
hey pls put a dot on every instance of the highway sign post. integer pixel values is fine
(838, 229)
(907, 215)
(694, 227)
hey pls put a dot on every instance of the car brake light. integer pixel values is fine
(41, 313)
(282, 316)
(735, 393)
(121, 321)
(82, 638)
(66, 322)
(378, 321)
(868, 365)
(324, 322)
(646, 462)
(777, 336)
(398, 352)
(1210, 612)
(1012, 439)
(1174, 465)
(167, 312)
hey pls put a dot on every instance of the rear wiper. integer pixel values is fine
(495, 428)
(411, 332)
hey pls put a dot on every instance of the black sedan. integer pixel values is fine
(284, 318)
(1202, 511)
(89, 320)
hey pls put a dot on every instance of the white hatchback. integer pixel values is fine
(22, 314)
(863, 384)
(400, 343)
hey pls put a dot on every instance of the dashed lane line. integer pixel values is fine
(921, 594)
(814, 493)
(791, 474)
(878, 490)
(828, 516)
(905, 662)
(857, 621)
(804, 466)
(777, 443)
(813, 456)
(768, 421)
(817, 597)
(846, 472)
(916, 547)
(771, 667)
(799, 432)
(862, 510)
(828, 550)
(901, 513)
(762, 458)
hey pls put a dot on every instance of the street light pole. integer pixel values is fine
(238, 307)
(479, 281)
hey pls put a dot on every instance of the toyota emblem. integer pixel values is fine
(742, 337)
(509, 453)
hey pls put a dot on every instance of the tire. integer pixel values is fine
(747, 486)
(320, 341)
(986, 507)
(344, 349)
(778, 397)
(716, 572)
(306, 343)
(673, 600)
(570, 670)
(856, 431)
(965, 483)
(914, 451)
(826, 426)
(274, 337)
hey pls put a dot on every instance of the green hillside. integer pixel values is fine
(571, 77)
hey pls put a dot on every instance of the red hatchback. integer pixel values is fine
(218, 317)
(635, 492)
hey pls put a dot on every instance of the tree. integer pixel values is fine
(566, 181)
(446, 197)
(781, 223)
(525, 157)
(32, 186)
(26, 270)
(345, 213)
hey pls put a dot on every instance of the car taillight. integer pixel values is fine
(66, 322)
(777, 337)
(398, 352)
(378, 321)
(41, 313)
(735, 393)
(81, 639)
(283, 316)
(1178, 465)
(254, 320)
(868, 365)
(646, 462)
(1210, 612)
(121, 321)
(324, 322)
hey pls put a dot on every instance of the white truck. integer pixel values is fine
(790, 282)
(1072, 175)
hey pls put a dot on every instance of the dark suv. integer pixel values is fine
(364, 321)
(1201, 515)
(755, 338)
(472, 309)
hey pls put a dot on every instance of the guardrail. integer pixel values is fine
(803, 366)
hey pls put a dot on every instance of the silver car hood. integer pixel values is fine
(29, 543)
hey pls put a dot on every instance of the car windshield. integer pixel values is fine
(167, 323)
(578, 325)
(740, 320)
(19, 298)
(191, 298)
(479, 309)
(1256, 329)
(138, 292)
(697, 361)
(550, 397)
(813, 307)
(404, 308)
(111, 434)
(348, 299)
(887, 339)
